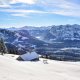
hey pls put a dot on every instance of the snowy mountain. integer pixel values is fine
(37, 32)
(51, 33)
(21, 39)
(66, 32)
(60, 32)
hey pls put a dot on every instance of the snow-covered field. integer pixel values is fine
(11, 69)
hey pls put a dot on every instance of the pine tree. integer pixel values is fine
(3, 48)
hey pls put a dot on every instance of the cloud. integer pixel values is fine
(60, 7)
(64, 4)
(67, 13)
(5, 6)
(19, 14)
(3, 2)
(23, 1)
(8, 3)
(21, 11)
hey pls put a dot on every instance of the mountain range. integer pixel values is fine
(46, 40)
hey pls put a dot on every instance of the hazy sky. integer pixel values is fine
(18, 13)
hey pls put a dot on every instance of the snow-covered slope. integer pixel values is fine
(55, 70)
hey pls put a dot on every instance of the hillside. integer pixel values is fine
(10, 69)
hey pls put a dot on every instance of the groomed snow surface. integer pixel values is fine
(11, 69)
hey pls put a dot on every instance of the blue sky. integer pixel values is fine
(19, 13)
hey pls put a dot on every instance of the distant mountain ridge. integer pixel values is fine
(49, 33)
(61, 32)
(66, 32)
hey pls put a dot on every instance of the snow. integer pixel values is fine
(19, 48)
(17, 34)
(19, 45)
(33, 46)
(16, 40)
(75, 48)
(11, 69)
(38, 37)
(24, 38)
(29, 56)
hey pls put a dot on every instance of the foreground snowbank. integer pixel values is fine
(11, 69)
